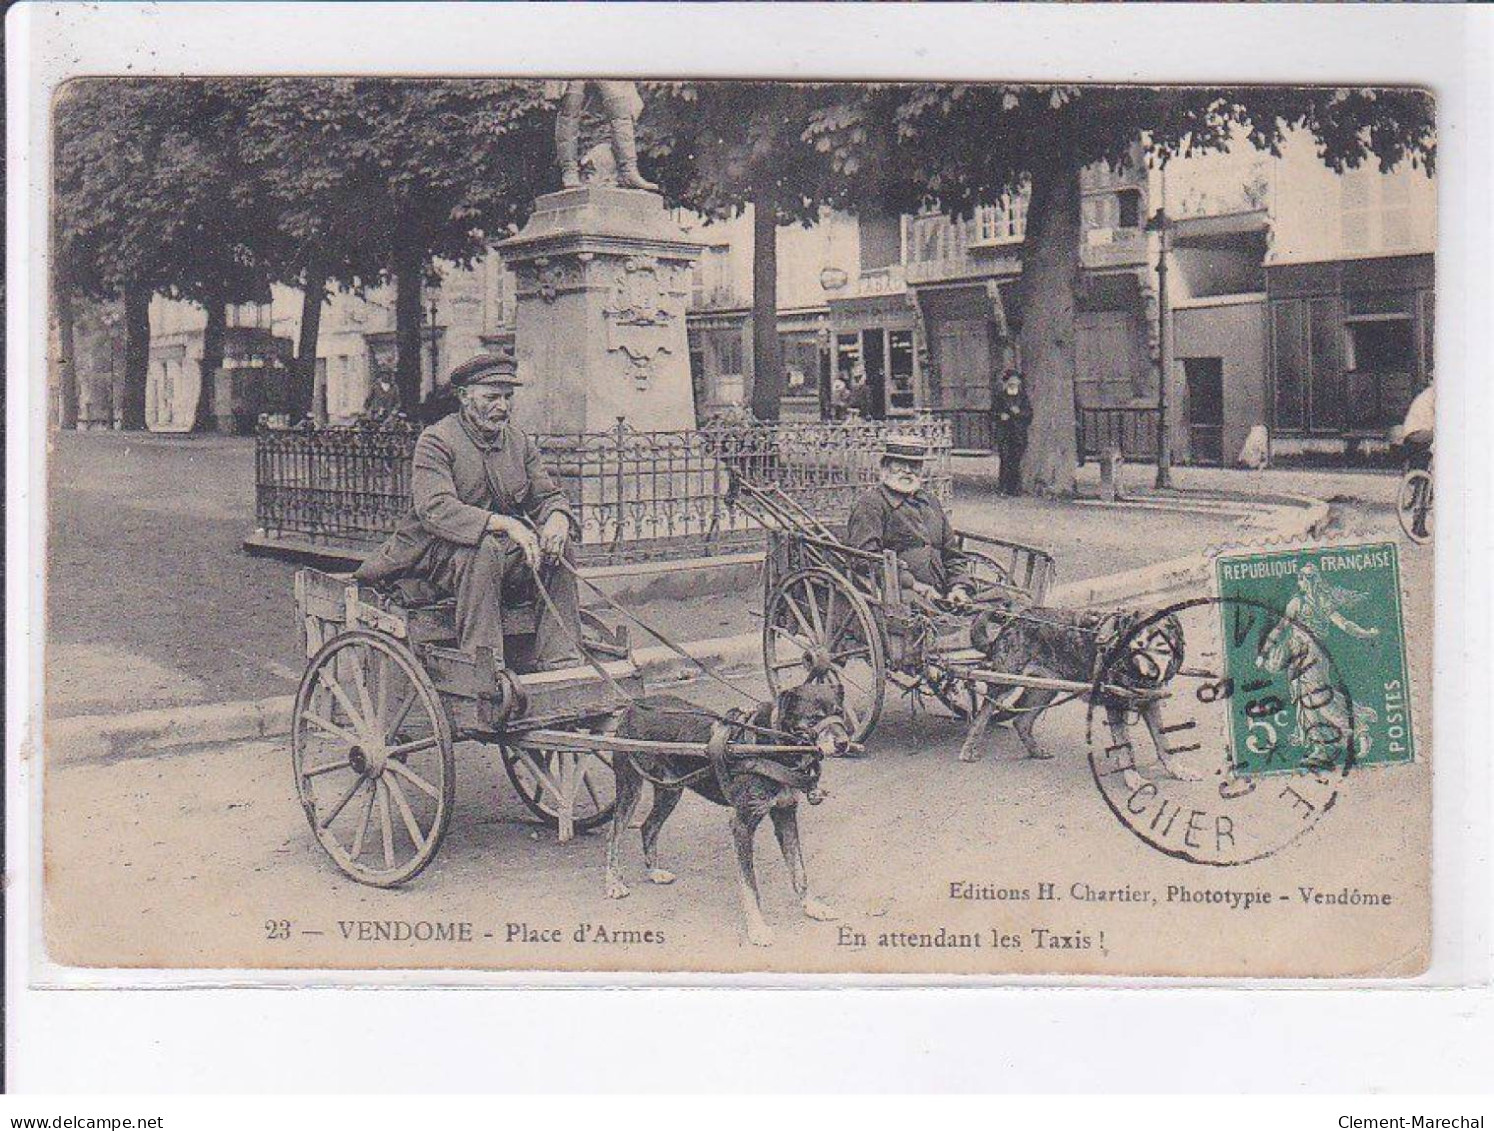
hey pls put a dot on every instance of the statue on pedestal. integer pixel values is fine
(622, 104)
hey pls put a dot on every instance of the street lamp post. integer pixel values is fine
(1162, 224)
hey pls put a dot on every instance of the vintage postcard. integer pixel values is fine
(649, 527)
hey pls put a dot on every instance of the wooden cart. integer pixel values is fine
(386, 696)
(831, 608)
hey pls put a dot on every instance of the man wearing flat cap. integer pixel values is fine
(899, 515)
(481, 492)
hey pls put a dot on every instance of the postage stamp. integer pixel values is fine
(1165, 764)
(1286, 711)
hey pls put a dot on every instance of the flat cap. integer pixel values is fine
(486, 369)
(901, 445)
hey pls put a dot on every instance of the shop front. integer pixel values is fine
(969, 343)
(875, 359)
(1351, 345)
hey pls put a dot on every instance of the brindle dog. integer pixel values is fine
(1068, 645)
(754, 788)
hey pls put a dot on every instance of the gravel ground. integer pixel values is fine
(152, 602)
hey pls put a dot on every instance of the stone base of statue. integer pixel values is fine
(603, 281)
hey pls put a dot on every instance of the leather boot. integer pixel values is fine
(625, 151)
(567, 141)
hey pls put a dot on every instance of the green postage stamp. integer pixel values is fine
(1315, 652)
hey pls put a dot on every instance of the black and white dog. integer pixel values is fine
(753, 787)
(1061, 644)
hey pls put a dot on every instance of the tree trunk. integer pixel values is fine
(67, 370)
(212, 360)
(767, 351)
(303, 374)
(137, 358)
(408, 263)
(1050, 281)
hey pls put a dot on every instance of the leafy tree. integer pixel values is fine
(149, 200)
(717, 147)
(957, 146)
(307, 142)
(446, 165)
(208, 189)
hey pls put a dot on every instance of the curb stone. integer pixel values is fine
(90, 737)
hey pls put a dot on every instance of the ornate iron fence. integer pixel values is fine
(639, 496)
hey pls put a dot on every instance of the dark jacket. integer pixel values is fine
(1013, 413)
(458, 482)
(914, 527)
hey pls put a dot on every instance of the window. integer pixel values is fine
(1381, 346)
(710, 278)
(929, 238)
(728, 345)
(899, 370)
(1381, 365)
(847, 353)
(801, 366)
(1002, 223)
(1395, 212)
(1129, 204)
(1356, 201)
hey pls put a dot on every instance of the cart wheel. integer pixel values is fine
(371, 751)
(536, 777)
(1413, 506)
(817, 625)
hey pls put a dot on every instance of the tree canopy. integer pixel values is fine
(208, 189)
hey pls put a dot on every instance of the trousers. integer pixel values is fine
(482, 577)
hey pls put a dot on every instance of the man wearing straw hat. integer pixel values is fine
(899, 515)
(487, 516)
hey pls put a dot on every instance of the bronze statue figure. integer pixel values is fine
(622, 104)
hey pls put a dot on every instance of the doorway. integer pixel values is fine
(1205, 378)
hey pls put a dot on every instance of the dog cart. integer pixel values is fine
(386, 696)
(831, 609)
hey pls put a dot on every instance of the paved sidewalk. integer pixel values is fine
(153, 603)
(1369, 487)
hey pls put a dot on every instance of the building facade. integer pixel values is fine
(1303, 301)
(1299, 299)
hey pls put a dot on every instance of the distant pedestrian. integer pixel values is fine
(860, 392)
(1013, 413)
(382, 402)
(840, 398)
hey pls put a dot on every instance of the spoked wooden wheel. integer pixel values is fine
(1413, 506)
(371, 751)
(816, 626)
(542, 779)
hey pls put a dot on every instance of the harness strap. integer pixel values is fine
(617, 689)
(716, 748)
(790, 776)
(655, 633)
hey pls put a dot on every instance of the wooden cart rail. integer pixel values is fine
(1043, 683)
(574, 740)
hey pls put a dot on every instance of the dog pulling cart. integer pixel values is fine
(386, 696)
(831, 609)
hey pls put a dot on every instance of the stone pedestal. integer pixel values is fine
(603, 281)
